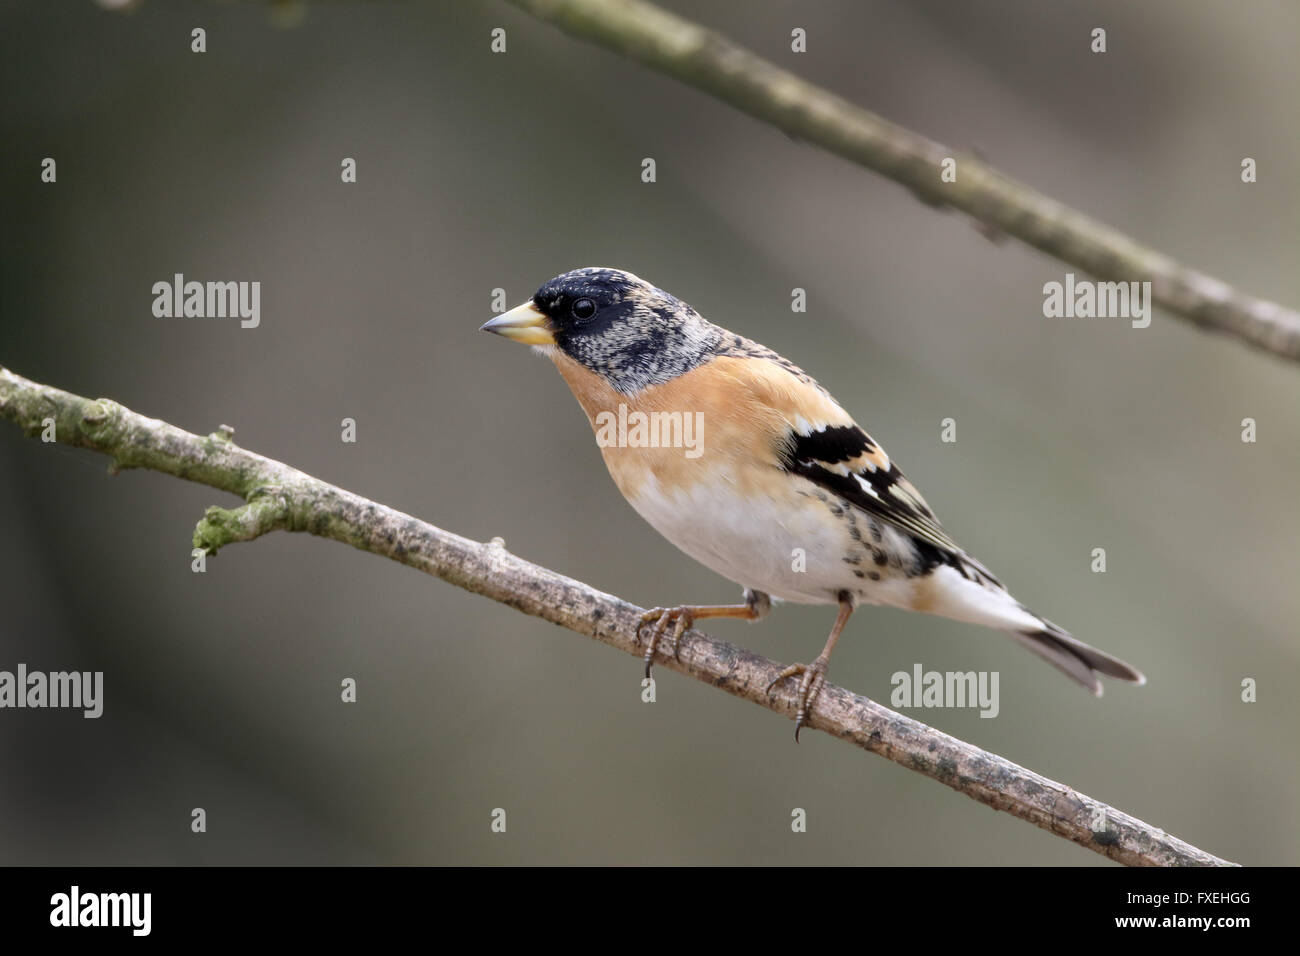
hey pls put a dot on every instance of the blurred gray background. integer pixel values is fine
(479, 171)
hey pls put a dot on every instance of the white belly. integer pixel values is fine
(783, 548)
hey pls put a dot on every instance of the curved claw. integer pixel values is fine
(681, 617)
(814, 676)
(788, 672)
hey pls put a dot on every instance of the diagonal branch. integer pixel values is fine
(710, 62)
(279, 497)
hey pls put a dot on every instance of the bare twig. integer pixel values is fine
(712, 63)
(278, 497)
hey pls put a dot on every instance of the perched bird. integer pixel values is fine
(739, 458)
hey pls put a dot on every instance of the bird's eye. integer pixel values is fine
(584, 309)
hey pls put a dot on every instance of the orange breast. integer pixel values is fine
(709, 424)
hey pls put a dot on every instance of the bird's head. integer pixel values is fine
(619, 326)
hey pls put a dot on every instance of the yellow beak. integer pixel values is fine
(525, 323)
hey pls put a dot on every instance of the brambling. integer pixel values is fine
(739, 458)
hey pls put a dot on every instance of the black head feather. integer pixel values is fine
(624, 329)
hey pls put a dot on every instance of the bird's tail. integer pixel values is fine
(968, 592)
(1081, 661)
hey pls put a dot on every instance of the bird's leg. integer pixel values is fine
(814, 674)
(756, 606)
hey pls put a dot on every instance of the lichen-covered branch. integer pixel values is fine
(278, 497)
(712, 63)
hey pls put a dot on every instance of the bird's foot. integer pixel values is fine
(814, 676)
(680, 618)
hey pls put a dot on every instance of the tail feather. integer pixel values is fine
(973, 595)
(1081, 661)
